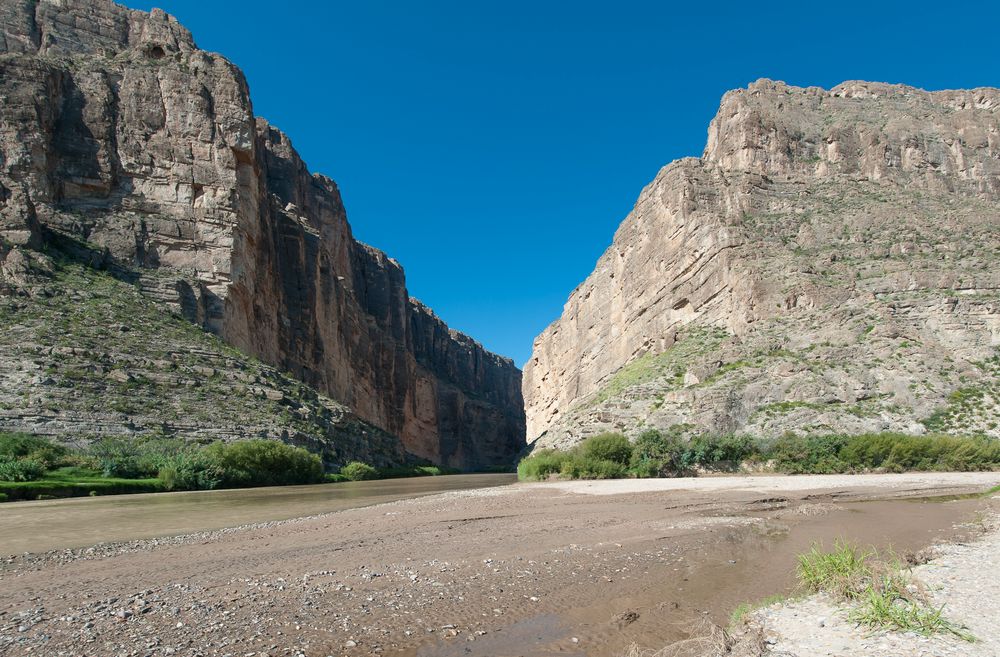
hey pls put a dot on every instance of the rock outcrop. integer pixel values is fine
(828, 264)
(117, 132)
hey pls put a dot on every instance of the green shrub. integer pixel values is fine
(711, 449)
(121, 458)
(808, 454)
(265, 463)
(3, 497)
(656, 454)
(580, 466)
(25, 469)
(191, 470)
(541, 464)
(612, 447)
(358, 471)
(14, 446)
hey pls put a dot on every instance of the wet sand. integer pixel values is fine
(536, 569)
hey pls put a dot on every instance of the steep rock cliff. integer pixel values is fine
(118, 132)
(828, 264)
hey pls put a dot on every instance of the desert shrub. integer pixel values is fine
(14, 446)
(541, 464)
(191, 470)
(796, 454)
(358, 471)
(25, 469)
(712, 449)
(264, 463)
(607, 447)
(121, 458)
(896, 452)
(657, 454)
(581, 466)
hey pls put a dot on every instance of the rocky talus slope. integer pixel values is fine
(828, 265)
(131, 150)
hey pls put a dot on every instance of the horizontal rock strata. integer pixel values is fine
(118, 133)
(828, 264)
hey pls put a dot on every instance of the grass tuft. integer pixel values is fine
(883, 593)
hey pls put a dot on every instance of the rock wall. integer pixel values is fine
(118, 131)
(879, 201)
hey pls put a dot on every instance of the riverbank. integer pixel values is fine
(960, 580)
(509, 570)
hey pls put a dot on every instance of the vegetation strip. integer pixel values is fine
(669, 454)
(32, 467)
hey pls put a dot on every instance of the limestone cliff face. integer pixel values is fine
(828, 264)
(116, 130)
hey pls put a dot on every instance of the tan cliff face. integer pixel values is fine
(117, 131)
(827, 265)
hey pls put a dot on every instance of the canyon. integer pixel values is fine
(828, 265)
(127, 149)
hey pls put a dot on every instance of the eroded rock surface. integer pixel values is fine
(118, 133)
(828, 264)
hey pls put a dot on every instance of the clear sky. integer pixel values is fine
(493, 146)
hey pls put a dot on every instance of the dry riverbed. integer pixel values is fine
(574, 568)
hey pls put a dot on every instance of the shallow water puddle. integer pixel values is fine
(544, 635)
(689, 580)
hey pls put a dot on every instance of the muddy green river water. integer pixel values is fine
(83, 521)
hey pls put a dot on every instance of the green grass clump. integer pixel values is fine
(883, 595)
(357, 471)
(841, 571)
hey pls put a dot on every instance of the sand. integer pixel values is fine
(583, 568)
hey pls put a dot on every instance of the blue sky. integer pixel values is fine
(493, 147)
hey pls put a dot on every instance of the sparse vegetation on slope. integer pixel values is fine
(85, 355)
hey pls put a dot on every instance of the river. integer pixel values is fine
(82, 521)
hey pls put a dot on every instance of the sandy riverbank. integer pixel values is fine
(961, 579)
(538, 569)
